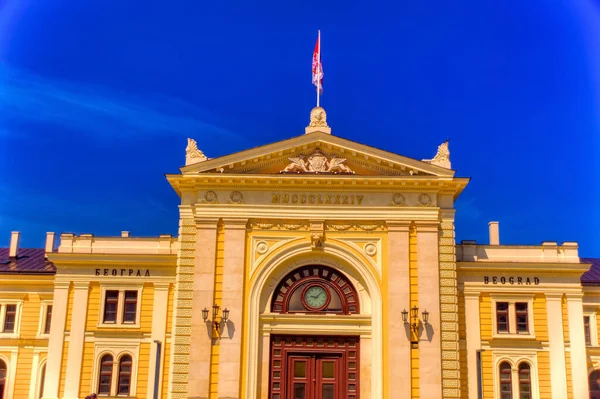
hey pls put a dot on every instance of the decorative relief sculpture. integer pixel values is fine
(318, 117)
(262, 247)
(316, 241)
(210, 197)
(236, 197)
(370, 249)
(193, 154)
(317, 162)
(318, 121)
(442, 158)
(424, 200)
(352, 226)
(398, 200)
(278, 225)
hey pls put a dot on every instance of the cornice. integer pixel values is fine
(76, 259)
(541, 268)
(299, 182)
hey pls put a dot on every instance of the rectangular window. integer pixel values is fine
(522, 317)
(48, 319)
(502, 317)
(111, 302)
(9, 318)
(587, 331)
(130, 307)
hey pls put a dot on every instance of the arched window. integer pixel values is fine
(315, 289)
(595, 384)
(42, 381)
(2, 378)
(505, 381)
(106, 369)
(124, 375)
(524, 381)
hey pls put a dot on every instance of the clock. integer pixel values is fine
(315, 297)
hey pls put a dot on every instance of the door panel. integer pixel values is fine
(314, 368)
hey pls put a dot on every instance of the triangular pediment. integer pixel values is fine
(317, 154)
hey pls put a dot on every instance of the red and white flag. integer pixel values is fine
(317, 67)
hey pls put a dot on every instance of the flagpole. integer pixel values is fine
(319, 72)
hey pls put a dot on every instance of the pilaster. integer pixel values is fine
(579, 370)
(232, 293)
(57, 339)
(194, 292)
(473, 340)
(76, 339)
(398, 364)
(557, 345)
(159, 329)
(430, 356)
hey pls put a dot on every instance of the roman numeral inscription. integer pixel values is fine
(317, 199)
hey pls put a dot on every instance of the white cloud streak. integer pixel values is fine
(98, 111)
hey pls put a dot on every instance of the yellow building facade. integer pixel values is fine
(314, 267)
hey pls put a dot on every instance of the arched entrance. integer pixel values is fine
(306, 366)
(594, 381)
(266, 323)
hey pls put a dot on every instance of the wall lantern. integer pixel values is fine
(414, 318)
(215, 315)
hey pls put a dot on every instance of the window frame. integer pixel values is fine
(515, 358)
(17, 330)
(41, 333)
(591, 313)
(512, 300)
(117, 350)
(119, 323)
(120, 372)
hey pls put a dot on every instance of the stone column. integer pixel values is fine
(159, 330)
(76, 339)
(57, 339)
(233, 298)
(473, 341)
(398, 374)
(557, 345)
(579, 371)
(430, 349)
(203, 296)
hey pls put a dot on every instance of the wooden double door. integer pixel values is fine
(314, 368)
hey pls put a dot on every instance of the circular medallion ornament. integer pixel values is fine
(398, 199)
(262, 247)
(210, 197)
(236, 197)
(370, 249)
(424, 200)
(315, 297)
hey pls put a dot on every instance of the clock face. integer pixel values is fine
(315, 297)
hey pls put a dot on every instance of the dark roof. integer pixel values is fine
(28, 261)
(592, 276)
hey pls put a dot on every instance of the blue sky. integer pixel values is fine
(97, 99)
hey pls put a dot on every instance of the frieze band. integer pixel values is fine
(317, 199)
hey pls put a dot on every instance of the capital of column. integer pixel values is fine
(427, 226)
(574, 296)
(81, 285)
(235, 223)
(62, 284)
(398, 226)
(553, 296)
(206, 223)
